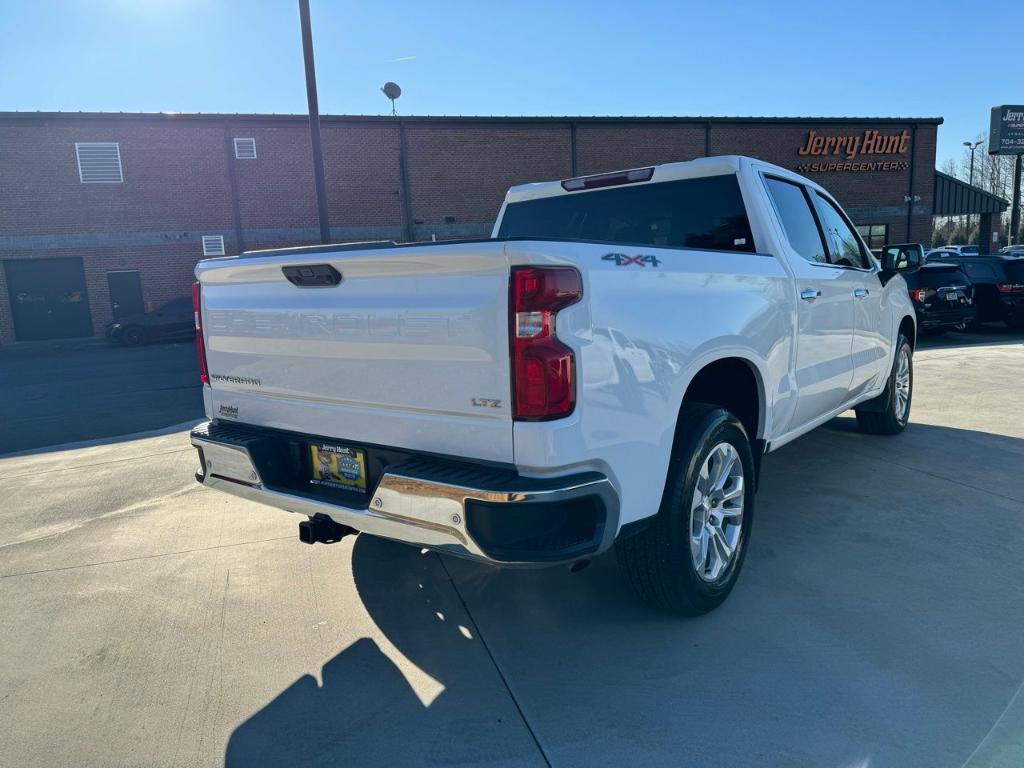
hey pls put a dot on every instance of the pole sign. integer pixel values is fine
(1006, 134)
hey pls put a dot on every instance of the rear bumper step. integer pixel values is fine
(480, 513)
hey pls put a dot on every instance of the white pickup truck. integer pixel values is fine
(607, 369)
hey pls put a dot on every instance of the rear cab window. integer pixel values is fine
(705, 213)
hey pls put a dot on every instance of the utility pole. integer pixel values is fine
(314, 123)
(1015, 210)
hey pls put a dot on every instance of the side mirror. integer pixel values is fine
(902, 258)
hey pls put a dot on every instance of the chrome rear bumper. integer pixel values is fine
(426, 503)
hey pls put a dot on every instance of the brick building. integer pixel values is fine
(98, 210)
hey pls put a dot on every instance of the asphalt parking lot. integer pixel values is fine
(878, 621)
(85, 389)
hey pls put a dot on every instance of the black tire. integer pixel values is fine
(657, 562)
(1015, 323)
(133, 336)
(880, 416)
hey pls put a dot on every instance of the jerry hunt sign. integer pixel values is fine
(1006, 134)
(855, 151)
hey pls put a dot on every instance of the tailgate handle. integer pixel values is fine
(312, 275)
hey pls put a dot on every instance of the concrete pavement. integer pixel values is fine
(877, 622)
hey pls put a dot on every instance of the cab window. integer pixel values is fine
(844, 247)
(794, 211)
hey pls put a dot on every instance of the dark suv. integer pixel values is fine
(942, 297)
(998, 282)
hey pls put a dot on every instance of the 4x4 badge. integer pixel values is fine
(625, 260)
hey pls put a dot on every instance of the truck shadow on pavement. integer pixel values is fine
(365, 710)
(871, 625)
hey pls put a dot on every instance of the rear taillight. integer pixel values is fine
(197, 311)
(1010, 287)
(921, 294)
(543, 368)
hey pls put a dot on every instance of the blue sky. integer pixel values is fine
(856, 57)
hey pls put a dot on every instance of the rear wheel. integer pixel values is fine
(133, 336)
(889, 413)
(688, 559)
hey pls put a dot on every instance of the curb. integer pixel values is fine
(158, 432)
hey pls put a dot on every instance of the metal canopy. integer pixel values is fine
(956, 198)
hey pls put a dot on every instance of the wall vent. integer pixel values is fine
(245, 149)
(99, 162)
(213, 245)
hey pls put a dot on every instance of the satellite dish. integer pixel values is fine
(392, 91)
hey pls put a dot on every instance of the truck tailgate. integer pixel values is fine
(410, 349)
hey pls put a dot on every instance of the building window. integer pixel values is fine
(875, 235)
(213, 245)
(245, 149)
(99, 162)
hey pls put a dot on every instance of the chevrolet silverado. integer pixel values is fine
(606, 371)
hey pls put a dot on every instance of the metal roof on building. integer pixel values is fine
(664, 119)
(956, 198)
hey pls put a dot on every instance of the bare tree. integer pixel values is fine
(992, 173)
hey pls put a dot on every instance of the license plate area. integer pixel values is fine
(338, 467)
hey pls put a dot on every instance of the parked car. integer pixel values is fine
(960, 250)
(942, 295)
(174, 320)
(998, 282)
(1012, 250)
(441, 394)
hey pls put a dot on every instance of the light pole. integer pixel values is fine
(971, 146)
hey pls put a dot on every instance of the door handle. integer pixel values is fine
(809, 294)
(860, 293)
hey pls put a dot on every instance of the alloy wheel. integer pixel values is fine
(903, 385)
(716, 513)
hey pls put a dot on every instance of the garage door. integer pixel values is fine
(48, 298)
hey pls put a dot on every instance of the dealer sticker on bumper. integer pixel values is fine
(336, 466)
